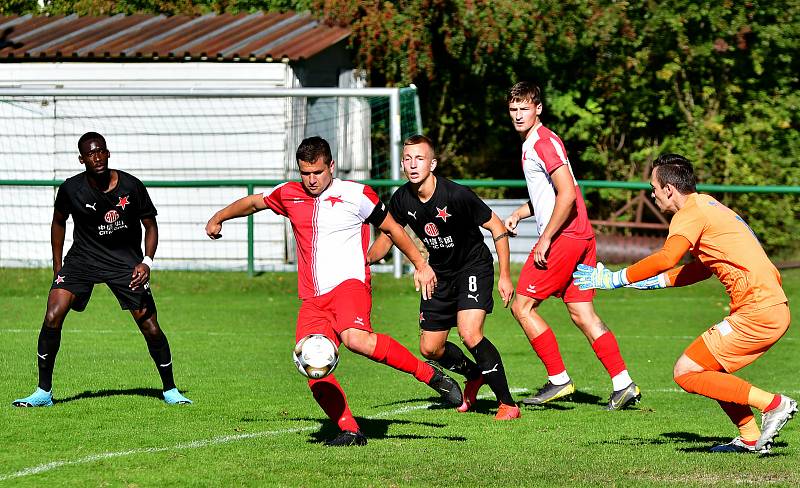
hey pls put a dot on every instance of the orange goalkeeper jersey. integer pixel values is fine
(724, 243)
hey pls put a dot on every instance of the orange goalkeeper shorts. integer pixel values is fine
(743, 337)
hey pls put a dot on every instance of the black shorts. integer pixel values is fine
(80, 279)
(470, 289)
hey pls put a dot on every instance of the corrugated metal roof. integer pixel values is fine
(287, 36)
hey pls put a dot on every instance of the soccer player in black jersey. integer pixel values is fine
(108, 208)
(446, 217)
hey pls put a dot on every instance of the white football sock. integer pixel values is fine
(622, 380)
(559, 379)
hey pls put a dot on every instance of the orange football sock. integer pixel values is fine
(717, 385)
(750, 432)
(742, 417)
(760, 399)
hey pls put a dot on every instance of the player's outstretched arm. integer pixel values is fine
(58, 231)
(424, 277)
(379, 248)
(522, 212)
(655, 271)
(500, 237)
(240, 208)
(659, 270)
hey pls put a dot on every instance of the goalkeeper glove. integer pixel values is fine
(588, 277)
(652, 283)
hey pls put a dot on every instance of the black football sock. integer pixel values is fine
(159, 351)
(46, 351)
(491, 367)
(456, 361)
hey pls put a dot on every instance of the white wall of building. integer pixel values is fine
(154, 139)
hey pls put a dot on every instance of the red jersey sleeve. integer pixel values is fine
(371, 208)
(549, 150)
(274, 199)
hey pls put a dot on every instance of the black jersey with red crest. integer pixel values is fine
(447, 224)
(107, 226)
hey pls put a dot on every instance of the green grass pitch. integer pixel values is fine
(254, 422)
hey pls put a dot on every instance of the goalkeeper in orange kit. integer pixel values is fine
(722, 244)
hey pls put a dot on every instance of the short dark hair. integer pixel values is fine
(525, 91)
(314, 148)
(88, 137)
(420, 139)
(677, 171)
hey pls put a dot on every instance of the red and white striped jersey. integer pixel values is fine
(542, 153)
(330, 231)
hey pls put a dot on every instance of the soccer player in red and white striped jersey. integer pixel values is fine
(330, 219)
(565, 239)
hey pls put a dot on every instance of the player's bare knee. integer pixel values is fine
(519, 309)
(54, 316)
(684, 366)
(150, 328)
(359, 341)
(430, 353)
(472, 338)
(431, 349)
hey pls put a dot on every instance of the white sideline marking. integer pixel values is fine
(185, 445)
(232, 438)
(108, 455)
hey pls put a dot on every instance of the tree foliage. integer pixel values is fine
(623, 81)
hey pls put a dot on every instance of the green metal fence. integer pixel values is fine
(251, 184)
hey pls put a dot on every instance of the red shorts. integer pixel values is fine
(555, 280)
(345, 307)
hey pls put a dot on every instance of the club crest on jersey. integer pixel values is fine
(334, 199)
(111, 216)
(122, 202)
(431, 229)
(442, 213)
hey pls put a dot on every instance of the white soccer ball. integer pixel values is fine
(315, 356)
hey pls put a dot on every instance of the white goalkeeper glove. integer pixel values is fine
(652, 283)
(588, 277)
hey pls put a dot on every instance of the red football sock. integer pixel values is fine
(546, 348)
(390, 352)
(773, 404)
(607, 351)
(330, 396)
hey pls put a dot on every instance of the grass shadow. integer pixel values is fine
(579, 397)
(377, 429)
(143, 392)
(689, 442)
(435, 403)
(708, 441)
